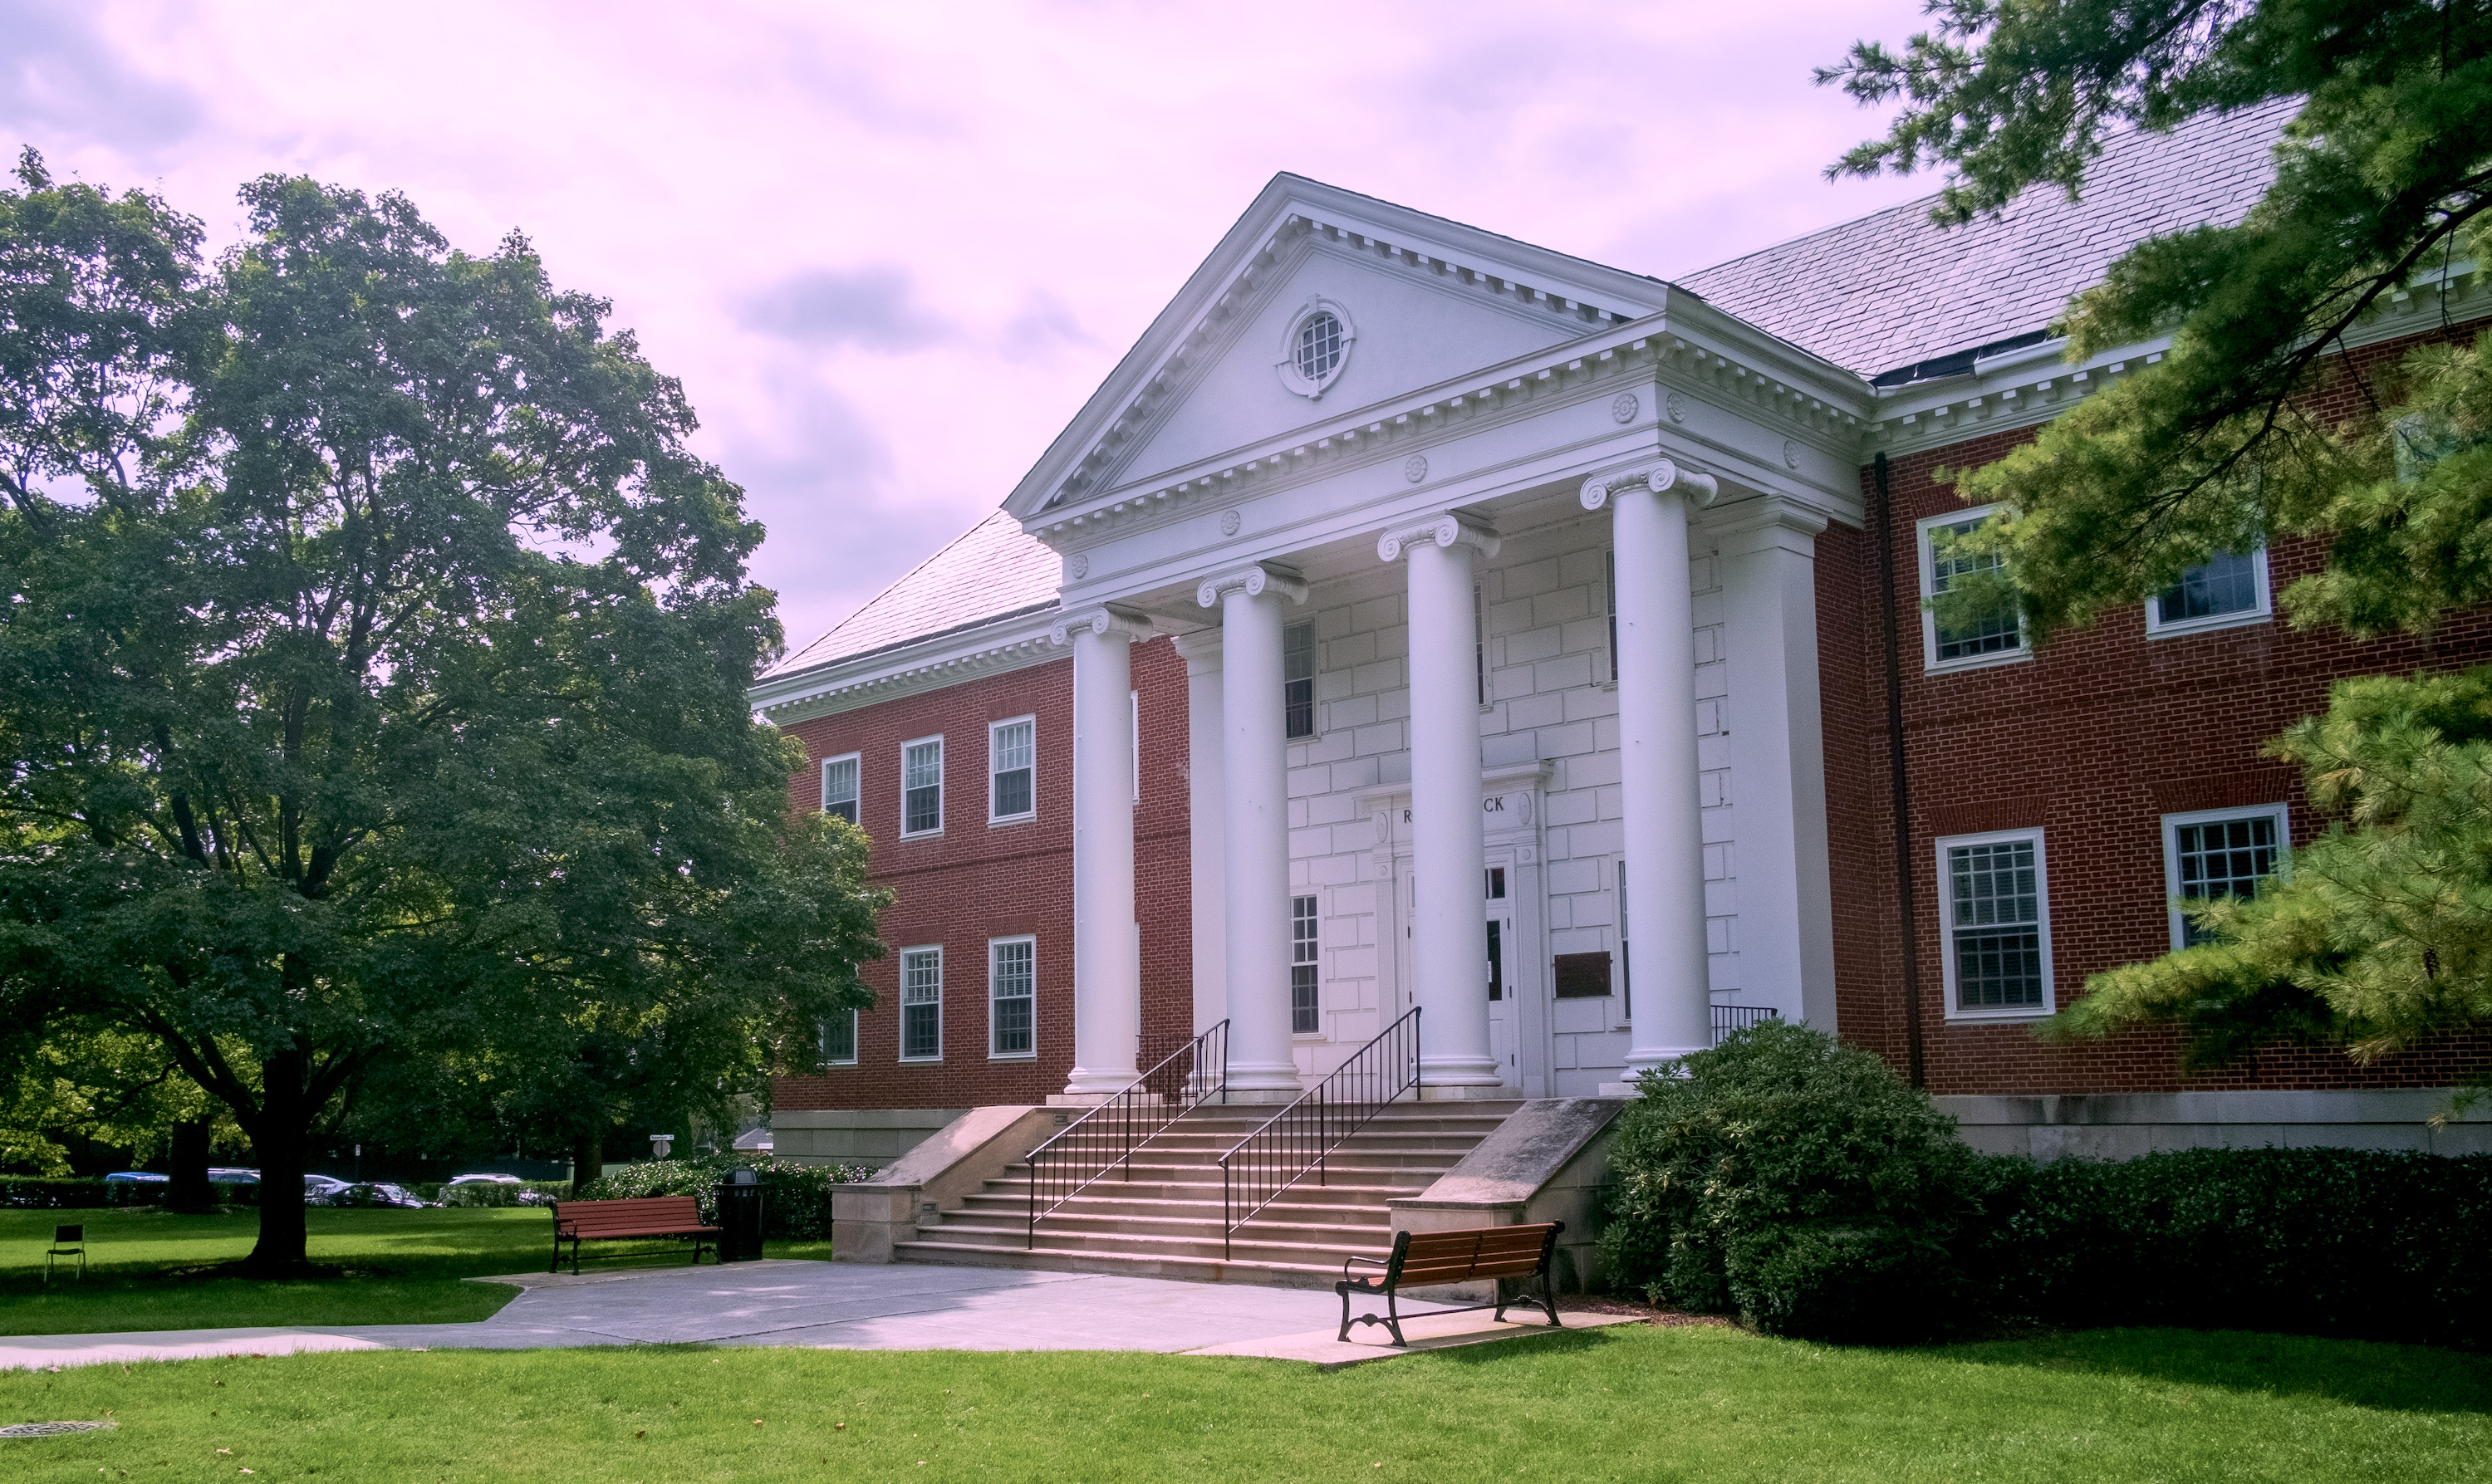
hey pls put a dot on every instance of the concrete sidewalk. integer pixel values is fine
(821, 1305)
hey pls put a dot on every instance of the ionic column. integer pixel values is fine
(1206, 800)
(1255, 826)
(1106, 958)
(1446, 844)
(1668, 975)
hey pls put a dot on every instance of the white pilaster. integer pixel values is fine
(1448, 933)
(1206, 805)
(1107, 954)
(1768, 553)
(1255, 878)
(1668, 973)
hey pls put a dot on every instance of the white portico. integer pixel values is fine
(1479, 558)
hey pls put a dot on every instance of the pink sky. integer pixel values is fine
(889, 250)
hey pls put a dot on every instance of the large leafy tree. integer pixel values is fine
(372, 666)
(2379, 933)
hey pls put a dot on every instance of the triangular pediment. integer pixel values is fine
(1425, 301)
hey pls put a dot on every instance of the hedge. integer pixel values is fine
(494, 1194)
(795, 1199)
(1795, 1181)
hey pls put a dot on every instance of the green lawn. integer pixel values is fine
(1640, 1403)
(400, 1268)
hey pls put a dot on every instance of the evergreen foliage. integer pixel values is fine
(2257, 425)
(795, 1199)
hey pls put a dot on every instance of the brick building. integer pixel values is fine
(1395, 542)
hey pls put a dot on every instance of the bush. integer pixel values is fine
(795, 1199)
(1799, 1183)
(494, 1194)
(1792, 1178)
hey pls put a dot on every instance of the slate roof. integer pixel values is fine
(1892, 288)
(988, 574)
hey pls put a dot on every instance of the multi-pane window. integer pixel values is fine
(2224, 852)
(1319, 345)
(921, 1004)
(839, 1039)
(1305, 1013)
(1997, 925)
(1479, 647)
(1496, 958)
(1012, 991)
(921, 788)
(1298, 679)
(1012, 759)
(1993, 632)
(1626, 985)
(1610, 588)
(840, 786)
(2228, 589)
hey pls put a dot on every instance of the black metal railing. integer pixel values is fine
(1105, 1136)
(1730, 1017)
(1276, 1156)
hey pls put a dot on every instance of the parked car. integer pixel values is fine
(218, 1175)
(318, 1188)
(136, 1177)
(492, 1179)
(376, 1193)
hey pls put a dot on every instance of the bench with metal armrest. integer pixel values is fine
(1429, 1259)
(580, 1221)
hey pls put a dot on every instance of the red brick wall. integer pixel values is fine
(2093, 740)
(977, 881)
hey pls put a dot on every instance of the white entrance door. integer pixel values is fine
(1504, 986)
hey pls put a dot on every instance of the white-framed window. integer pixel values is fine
(1011, 996)
(1306, 1010)
(1314, 346)
(1012, 770)
(921, 1004)
(839, 1039)
(2228, 589)
(2220, 853)
(840, 788)
(1990, 639)
(921, 787)
(1610, 597)
(1479, 644)
(1994, 926)
(1299, 680)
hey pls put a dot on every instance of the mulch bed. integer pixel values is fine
(1666, 1319)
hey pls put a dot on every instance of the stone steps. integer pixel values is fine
(1166, 1219)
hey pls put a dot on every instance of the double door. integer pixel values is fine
(1507, 980)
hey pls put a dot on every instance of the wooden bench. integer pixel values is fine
(1428, 1259)
(594, 1221)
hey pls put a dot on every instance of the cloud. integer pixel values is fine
(874, 307)
(1045, 325)
(59, 75)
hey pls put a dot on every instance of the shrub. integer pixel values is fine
(795, 1199)
(1792, 1178)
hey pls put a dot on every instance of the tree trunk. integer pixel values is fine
(587, 1160)
(189, 1191)
(278, 1136)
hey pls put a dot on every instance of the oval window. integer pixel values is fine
(1319, 345)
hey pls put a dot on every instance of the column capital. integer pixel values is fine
(1443, 529)
(1253, 581)
(1199, 649)
(1700, 490)
(1111, 622)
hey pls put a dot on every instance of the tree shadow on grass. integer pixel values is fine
(2355, 1373)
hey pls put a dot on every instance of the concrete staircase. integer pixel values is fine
(1166, 1221)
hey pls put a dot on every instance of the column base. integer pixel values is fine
(1097, 1086)
(1270, 1097)
(1466, 1092)
(1094, 1099)
(1282, 1077)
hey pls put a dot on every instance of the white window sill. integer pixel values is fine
(1012, 1055)
(1975, 661)
(924, 835)
(2190, 626)
(2015, 1017)
(921, 1061)
(995, 821)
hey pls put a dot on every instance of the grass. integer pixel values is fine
(1636, 1403)
(146, 1270)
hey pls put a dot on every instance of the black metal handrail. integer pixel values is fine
(1730, 1017)
(1277, 1155)
(1107, 1135)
